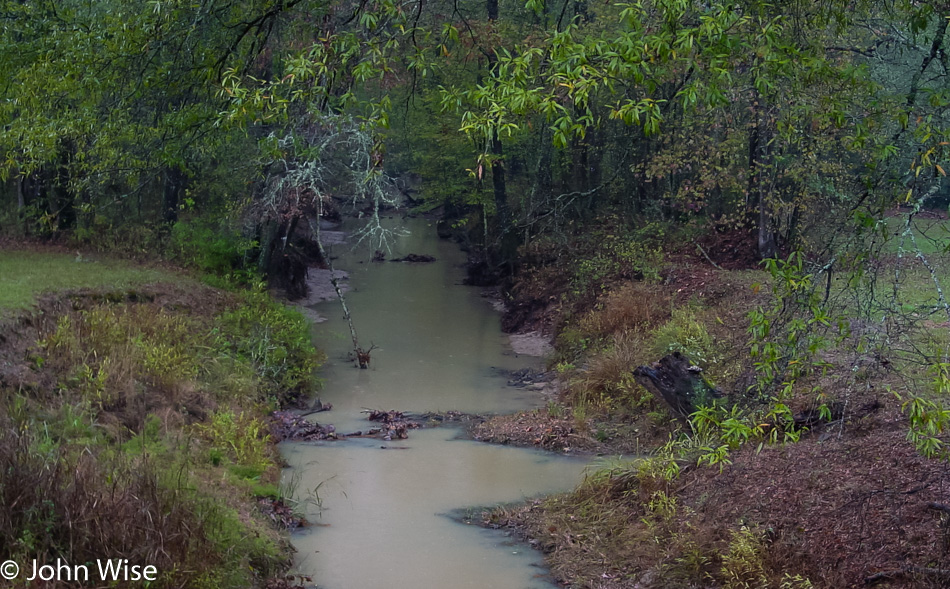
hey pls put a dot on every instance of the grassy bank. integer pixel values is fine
(823, 465)
(134, 419)
(26, 274)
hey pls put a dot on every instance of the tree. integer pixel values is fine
(112, 107)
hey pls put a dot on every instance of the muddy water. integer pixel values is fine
(383, 507)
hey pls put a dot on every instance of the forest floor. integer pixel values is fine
(851, 504)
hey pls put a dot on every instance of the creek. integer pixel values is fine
(385, 513)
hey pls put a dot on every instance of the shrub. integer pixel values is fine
(242, 436)
(617, 252)
(636, 306)
(275, 339)
(685, 333)
(213, 249)
(742, 564)
(607, 380)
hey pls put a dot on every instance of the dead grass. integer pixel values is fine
(63, 510)
(840, 507)
(636, 306)
(130, 426)
(541, 429)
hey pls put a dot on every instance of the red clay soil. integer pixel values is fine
(839, 510)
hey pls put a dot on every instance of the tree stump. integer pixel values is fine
(678, 383)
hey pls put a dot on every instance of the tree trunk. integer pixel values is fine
(580, 10)
(499, 185)
(678, 384)
(173, 186)
(759, 155)
(21, 203)
(64, 199)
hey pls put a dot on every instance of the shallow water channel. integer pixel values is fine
(383, 509)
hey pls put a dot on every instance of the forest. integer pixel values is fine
(729, 218)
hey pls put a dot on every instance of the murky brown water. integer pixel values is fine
(385, 510)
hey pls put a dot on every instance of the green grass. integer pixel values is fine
(933, 235)
(25, 275)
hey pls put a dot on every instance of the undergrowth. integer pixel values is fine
(145, 437)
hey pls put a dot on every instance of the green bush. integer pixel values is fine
(618, 253)
(242, 436)
(275, 339)
(686, 334)
(216, 250)
(742, 565)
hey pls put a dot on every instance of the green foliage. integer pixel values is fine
(147, 508)
(634, 254)
(685, 333)
(929, 417)
(115, 104)
(150, 441)
(795, 582)
(275, 340)
(212, 249)
(788, 338)
(742, 564)
(110, 344)
(242, 436)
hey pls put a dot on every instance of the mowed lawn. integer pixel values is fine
(24, 275)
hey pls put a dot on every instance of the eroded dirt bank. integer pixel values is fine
(852, 504)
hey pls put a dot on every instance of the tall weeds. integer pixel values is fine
(146, 440)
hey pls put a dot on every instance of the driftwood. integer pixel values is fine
(415, 258)
(678, 383)
(362, 356)
(396, 424)
(285, 425)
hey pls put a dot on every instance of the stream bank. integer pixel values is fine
(133, 424)
(846, 502)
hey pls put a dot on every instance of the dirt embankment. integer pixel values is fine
(853, 504)
(848, 507)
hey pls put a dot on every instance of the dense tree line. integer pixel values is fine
(521, 117)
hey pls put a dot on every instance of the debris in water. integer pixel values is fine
(280, 513)
(415, 258)
(286, 425)
(396, 423)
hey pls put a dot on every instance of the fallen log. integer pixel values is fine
(415, 259)
(678, 384)
(910, 571)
